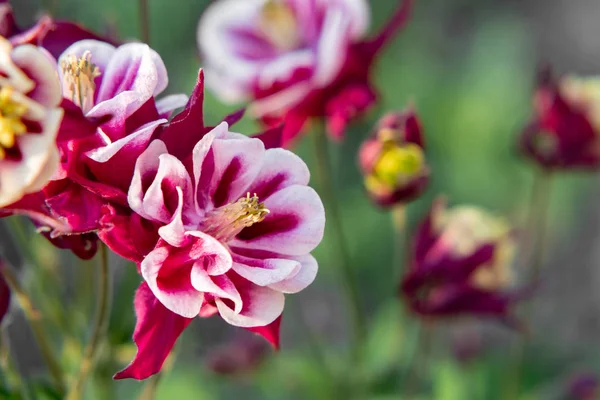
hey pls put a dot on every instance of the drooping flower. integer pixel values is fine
(296, 59)
(461, 264)
(222, 226)
(565, 131)
(110, 117)
(392, 160)
(29, 121)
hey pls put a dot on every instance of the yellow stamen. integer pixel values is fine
(11, 123)
(397, 164)
(278, 23)
(225, 222)
(78, 79)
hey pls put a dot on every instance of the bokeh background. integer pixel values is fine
(468, 66)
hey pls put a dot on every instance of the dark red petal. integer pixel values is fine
(234, 117)
(272, 137)
(397, 21)
(65, 33)
(4, 294)
(269, 332)
(187, 127)
(156, 332)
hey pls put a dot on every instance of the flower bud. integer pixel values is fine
(392, 160)
(565, 129)
(461, 263)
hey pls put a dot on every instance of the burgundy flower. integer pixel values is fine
(110, 117)
(565, 131)
(221, 224)
(460, 264)
(297, 59)
(29, 121)
(584, 386)
(392, 160)
(238, 356)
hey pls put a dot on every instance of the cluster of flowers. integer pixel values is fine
(222, 223)
(216, 221)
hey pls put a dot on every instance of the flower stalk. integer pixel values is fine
(325, 182)
(34, 320)
(99, 328)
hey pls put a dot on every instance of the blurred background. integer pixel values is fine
(468, 66)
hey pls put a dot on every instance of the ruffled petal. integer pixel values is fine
(156, 332)
(305, 276)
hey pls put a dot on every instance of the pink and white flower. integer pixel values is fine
(110, 117)
(297, 59)
(236, 224)
(29, 120)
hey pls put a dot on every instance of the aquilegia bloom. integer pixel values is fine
(461, 264)
(222, 226)
(392, 160)
(297, 59)
(29, 120)
(565, 131)
(110, 117)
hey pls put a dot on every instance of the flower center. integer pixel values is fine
(78, 80)
(278, 23)
(11, 122)
(396, 165)
(224, 223)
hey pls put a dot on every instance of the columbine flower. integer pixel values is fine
(297, 59)
(392, 160)
(220, 225)
(461, 264)
(565, 131)
(110, 117)
(29, 120)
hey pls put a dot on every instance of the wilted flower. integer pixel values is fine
(220, 225)
(565, 131)
(238, 356)
(29, 120)
(392, 160)
(583, 387)
(461, 264)
(297, 59)
(110, 117)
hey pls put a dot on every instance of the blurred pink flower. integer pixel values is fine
(29, 120)
(221, 224)
(461, 264)
(392, 160)
(296, 59)
(239, 356)
(565, 131)
(583, 386)
(110, 117)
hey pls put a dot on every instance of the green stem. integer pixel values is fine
(34, 320)
(326, 185)
(537, 229)
(144, 16)
(21, 382)
(149, 392)
(418, 359)
(99, 328)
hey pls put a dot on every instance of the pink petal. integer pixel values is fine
(261, 305)
(305, 276)
(280, 169)
(219, 258)
(237, 162)
(219, 286)
(156, 331)
(144, 172)
(269, 332)
(170, 281)
(168, 104)
(294, 226)
(134, 75)
(114, 164)
(265, 272)
(41, 69)
(174, 232)
(332, 46)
